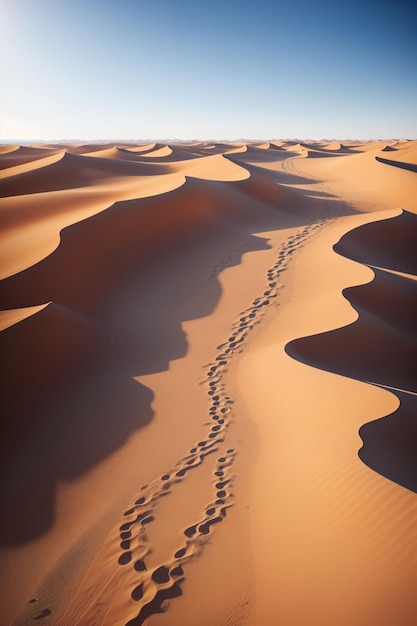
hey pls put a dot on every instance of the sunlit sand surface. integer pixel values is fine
(209, 394)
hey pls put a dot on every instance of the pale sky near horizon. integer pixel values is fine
(229, 69)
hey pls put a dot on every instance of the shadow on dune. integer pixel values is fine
(386, 243)
(279, 177)
(253, 156)
(24, 155)
(282, 177)
(74, 170)
(390, 443)
(321, 154)
(401, 164)
(381, 346)
(317, 151)
(120, 284)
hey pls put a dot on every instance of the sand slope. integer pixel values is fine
(208, 399)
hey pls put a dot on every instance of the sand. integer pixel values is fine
(208, 390)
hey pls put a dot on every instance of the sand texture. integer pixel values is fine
(209, 391)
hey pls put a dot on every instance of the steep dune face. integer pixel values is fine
(73, 171)
(24, 165)
(389, 444)
(381, 345)
(366, 245)
(412, 167)
(142, 283)
(22, 155)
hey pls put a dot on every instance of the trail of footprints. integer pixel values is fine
(163, 582)
(156, 585)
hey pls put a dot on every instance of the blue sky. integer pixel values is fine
(160, 69)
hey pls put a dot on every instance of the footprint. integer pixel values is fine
(161, 575)
(205, 528)
(125, 558)
(180, 553)
(176, 572)
(190, 531)
(137, 593)
(42, 614)
(155, 605)
(140, 565)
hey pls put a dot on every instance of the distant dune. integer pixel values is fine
(208, 383)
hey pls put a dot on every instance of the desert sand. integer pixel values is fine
(208, 383)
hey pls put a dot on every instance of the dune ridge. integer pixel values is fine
(160, 448)
(381, 345)
(412, 167)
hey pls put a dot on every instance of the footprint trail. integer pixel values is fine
(164, 582)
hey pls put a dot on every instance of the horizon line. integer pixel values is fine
(194, 139)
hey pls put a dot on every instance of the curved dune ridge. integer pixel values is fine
(22, 155)
(140, 282)
(381, 345)
(406, 166)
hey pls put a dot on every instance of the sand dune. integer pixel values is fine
(374, 184)
(112, 153)
(137, 149)
(24, 166)
(212, 167)
(208, 404)
(381, 345)
(412, 167)
(365, 245)
(8, 148)
(159, 151)
(23, 155)
(73, 171)
(329, 509)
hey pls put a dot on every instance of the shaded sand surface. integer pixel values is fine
(208, 400)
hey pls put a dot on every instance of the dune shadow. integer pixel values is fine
(279, 176)
(315, 154)
(73, 171)
(314, 199)
(390, 443)
(318, 150)
(411, 167)
(388, 243)
(380, 347)
(282, 177)
(260, 155)
(120, 284)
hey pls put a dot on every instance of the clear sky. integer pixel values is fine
(208, 69)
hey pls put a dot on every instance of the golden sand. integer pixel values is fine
(209, 399)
